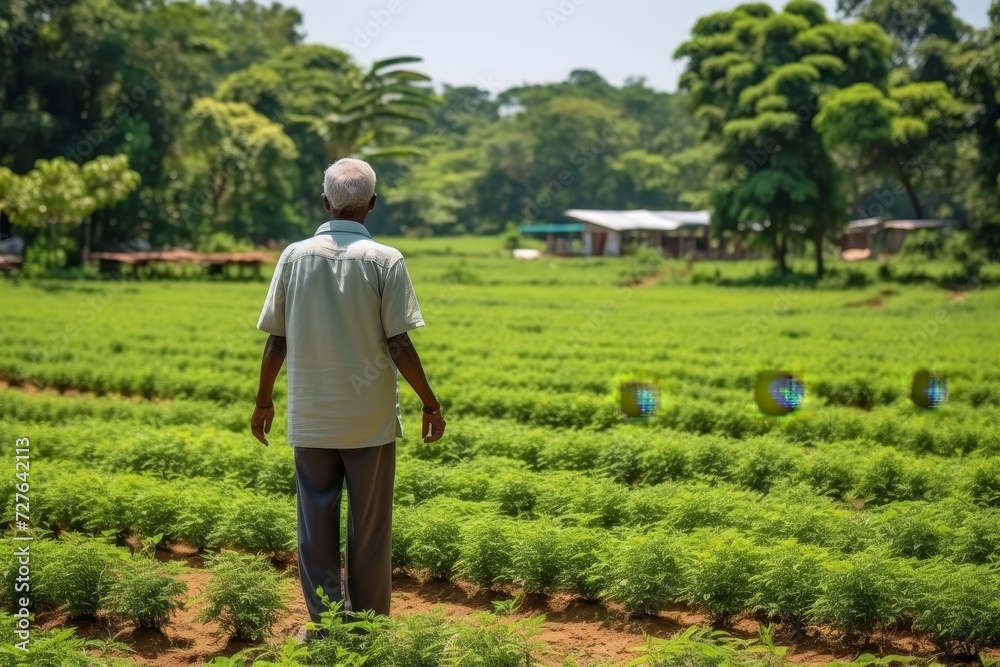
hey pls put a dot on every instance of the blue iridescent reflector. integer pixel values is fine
(638, 400)
(778, 392)
(929, 390)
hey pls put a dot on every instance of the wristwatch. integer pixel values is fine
(428, 411)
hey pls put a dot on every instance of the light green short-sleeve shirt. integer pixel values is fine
(336, 297)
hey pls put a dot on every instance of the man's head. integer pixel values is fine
(349, 189)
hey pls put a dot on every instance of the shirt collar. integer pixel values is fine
(343, 226)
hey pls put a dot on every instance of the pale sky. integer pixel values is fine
(503, 43)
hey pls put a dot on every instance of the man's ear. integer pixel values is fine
(326, 204)
(371, 203)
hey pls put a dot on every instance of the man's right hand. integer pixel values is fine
(433, 425)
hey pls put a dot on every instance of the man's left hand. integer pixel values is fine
(260, 423)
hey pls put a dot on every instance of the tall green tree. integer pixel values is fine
(756, 77)
(888, 132)
(982, 89)
(234, 173)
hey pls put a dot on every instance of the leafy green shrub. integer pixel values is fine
(144, 593)
(258, 523)
(712, 460)
(79, 574)
(486, 551)
(418, 481)
(788, 584)
(42, 551)
(763, 465)
(418, 640)
(922, 244)
(539, 557)
(830, 473)
(911, 531)
(984, 481)
(643, 572)
(515, 494)
(491, 641)
(461, 274)
(959, 605)
(434, 537)
(703, 647)
(245, 595)
(718, 572)
(581, 548)
(58, 647)
(668, 461)
(977, 540)
(890, 477)
(622, 460)
(645, 261)
(862, 593)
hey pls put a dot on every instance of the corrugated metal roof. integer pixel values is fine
(864, 224)
(552, 228)
(918, 224)
(640, 219)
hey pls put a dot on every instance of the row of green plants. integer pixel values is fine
(626, 455)
(211, 513)
(674, 552)
(720, 573)
(723, 573)
(214, 376)
(205, 340)
(80, 576)
(173, 438)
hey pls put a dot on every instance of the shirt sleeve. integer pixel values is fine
(272, 315)
(400, 310)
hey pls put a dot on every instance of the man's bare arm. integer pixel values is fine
(270, 365)
(274, 356)
(406, 359)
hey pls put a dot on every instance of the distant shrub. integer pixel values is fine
(762, 466)
(830, 473)
(461, 274)
(667, 461)
(245, 595)
(923, 244)
(890, 477)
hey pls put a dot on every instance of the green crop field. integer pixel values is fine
(859, 519)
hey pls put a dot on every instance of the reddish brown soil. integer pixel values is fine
(593, 634)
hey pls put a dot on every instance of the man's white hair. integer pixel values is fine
(349, 184)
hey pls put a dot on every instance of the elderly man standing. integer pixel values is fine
(339, 308)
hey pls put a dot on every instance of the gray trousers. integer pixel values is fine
(320, 475)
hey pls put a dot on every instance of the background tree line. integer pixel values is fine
(788, 123)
